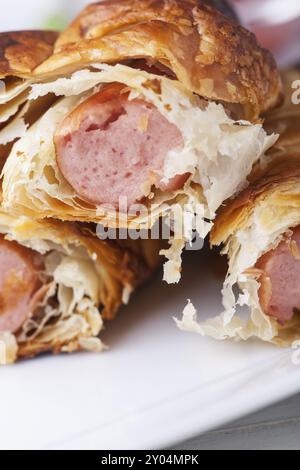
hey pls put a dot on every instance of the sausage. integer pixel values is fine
(279, 291)
(19, 281)
(111, 147)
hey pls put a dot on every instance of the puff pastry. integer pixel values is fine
(59, 283)
(160, 105)
(261, 233)
(20, 53)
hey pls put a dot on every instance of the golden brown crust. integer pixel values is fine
(281, 172)
(234, 216)
(209, 53)
(22, 51)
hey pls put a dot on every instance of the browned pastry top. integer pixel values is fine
(280, 177)
(22, 51)
(208, 52)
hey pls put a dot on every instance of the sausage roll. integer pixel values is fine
(261, 233)
(58, 283)
(160, 105)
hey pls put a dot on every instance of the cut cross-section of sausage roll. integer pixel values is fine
(160, 106)
(20, 53)
(59, 282)
(261, 233)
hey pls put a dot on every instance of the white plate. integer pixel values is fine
(155, 387)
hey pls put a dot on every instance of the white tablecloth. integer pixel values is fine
(277, 428)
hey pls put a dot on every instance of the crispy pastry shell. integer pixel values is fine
(208, 52)
(22, 51)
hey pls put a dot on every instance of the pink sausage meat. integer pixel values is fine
(18, 284)
(280, 282)
(110, 147)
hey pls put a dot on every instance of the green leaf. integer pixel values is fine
(57, 22)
